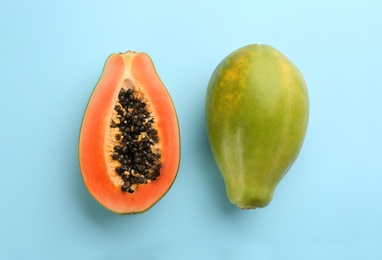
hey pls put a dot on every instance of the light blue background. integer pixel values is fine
(329, 206)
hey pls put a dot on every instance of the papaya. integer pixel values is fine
(256, 112)
(129, 142)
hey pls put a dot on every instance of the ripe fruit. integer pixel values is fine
(256, 118)
(129, 145)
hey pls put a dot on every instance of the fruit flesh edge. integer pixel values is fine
(118, 67)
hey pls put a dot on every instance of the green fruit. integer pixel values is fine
(257, 111)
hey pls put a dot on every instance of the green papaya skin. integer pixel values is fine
(257, 111)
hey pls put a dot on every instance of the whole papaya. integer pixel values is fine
(257, 111)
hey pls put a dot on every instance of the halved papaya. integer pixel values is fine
(129, 144)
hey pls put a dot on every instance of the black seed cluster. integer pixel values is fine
(140, 163)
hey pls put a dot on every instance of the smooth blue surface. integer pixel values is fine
(329, 206)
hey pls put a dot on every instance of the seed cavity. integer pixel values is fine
(135, 153)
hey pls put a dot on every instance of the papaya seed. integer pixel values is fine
(139, 161)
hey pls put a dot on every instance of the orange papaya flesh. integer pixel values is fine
(129, 145)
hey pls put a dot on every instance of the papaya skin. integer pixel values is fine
(257, 111)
